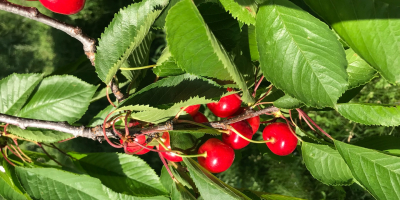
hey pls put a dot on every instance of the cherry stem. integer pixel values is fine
(137, 68)
(48, 155)
(166, 148)
(257, 85)
(290, 124)
(126, 123)
(108, 97)
(167, 167)
(105, 135)
(179, 113)
(193, 156)
(19, 149)
(145, 147)
(114, 129)
(5, 129)
(306, 117)
(252, 141)
(5, 157)
(265, 95)
(15, 153)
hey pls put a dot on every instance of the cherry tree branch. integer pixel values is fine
(33, 13)
(96, 133)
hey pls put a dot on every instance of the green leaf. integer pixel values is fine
(123, 173)
(59, 98)
(326, 164)
(377, 172)
(39, 135)
(370, 114)
(288, 102)
(118, 196)
(166, 65)
(242, 10)
(370, 30)
(358, 70)
(195, 48)
(124, 34)
(300, 55)
(49, 183)
(15, 90)
(174, 90)
(9, 184)
(224, 27)
(210, 187)
(253, 43)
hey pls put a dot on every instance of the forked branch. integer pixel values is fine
(33, 13)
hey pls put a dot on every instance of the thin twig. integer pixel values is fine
(33, 13)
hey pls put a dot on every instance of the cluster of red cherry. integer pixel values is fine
(65, 7)
(216, 155)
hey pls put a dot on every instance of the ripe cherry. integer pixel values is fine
(134, 148)
(199, 118)
(192, 110)
(254, 121)
(66, 7)
(169, 155)
(226, 106)
(234, 140)
(284, 141)
(219, 156)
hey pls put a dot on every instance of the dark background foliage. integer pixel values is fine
(27, 46)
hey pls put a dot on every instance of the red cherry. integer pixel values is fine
(199, 118)
(234, 140)
(219, 156)
(66, 7)
(226, 106)
(169, 155)
(133, 147)
(254, 121)
(284, 141)
(192, 110)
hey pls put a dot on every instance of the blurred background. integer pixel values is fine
(27, 46)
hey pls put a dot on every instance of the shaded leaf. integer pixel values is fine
(59, 98)
(300, 55)
(210, 187)
(370, 30)
(358, 70)
(224, 27)
(370, 114)
(385, 143)
(326, 164)
(195, 48)
(15, 90)
(124, 34)
(174, 90)
(377, 172)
